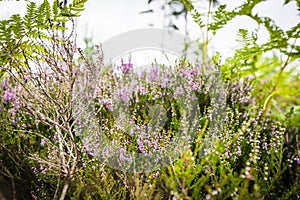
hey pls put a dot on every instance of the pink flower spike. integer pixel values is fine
(19, 87)
(6, 96)
(43, 142)
(26, 77)
(4, 83)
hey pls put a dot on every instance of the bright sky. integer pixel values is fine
(103, 19)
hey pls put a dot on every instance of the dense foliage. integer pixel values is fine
(245, 120)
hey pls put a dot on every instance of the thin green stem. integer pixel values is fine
(282, 68)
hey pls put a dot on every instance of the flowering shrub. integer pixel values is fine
(72, 128)
(246, 161)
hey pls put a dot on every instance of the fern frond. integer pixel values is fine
(5, 31)
(188, 4)
(17, 26)
(220, 18)
(29, 19)
(74, 9)
(19, 37)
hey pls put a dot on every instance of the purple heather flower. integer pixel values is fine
(155, 144)
(125, 67)
(195, 87)
(13, 95)
(17, 105)
(124, 97)
(47, 76)
(55, 137)
(122, 154)
(227, 154)
(26, 77)
(7, 95)
(141, 145)
(239, 152)
(42, 169)
(4, 83)
(153, 74)
(108, 105)
(236, 87)
(12, 111)
(297, 159)
(226, 120)
(43, 142)
(189, 76)
(195, 71)
(14, 122)
(179, 91)
(250, 77)
(86, 146)
(64, 67)
(156, 174)
(19, 87)
(142, 90)
(148, 143)
(164, 83)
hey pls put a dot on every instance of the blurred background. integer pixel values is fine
(103, 19)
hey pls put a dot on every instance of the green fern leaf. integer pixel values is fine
(17, 24)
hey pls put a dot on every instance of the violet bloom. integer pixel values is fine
(9, 95)
(13, 95)
(17, 105)
(6, 96)
(4, 83)
(43, 142)
(122, 154)
(55, 137)
(153, 74)
(250, 77)
(12, 111)
(108, 105)
(227, 154)
(164, 83)
(141, 145)
(195, 87)
(239, 152)
(125, 67)
(19, 87)
(297, 159)
(42, 169)
(64, 67)
(155, 144)
(14, 122)
(124, 97)
(26, 77)
(123, 93)
(86, 146)
(189, 76)
(46, 76)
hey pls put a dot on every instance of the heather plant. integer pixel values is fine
(132, 112)
(71, 127)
